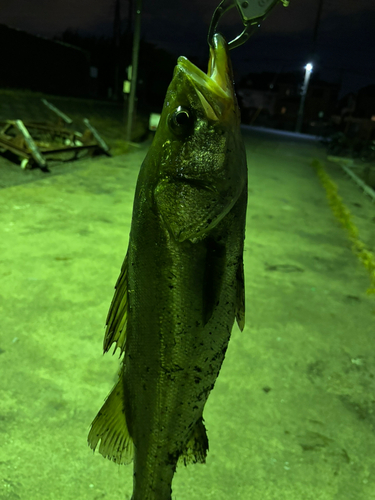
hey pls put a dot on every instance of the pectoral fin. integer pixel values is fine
(118, 312)
(109, 427)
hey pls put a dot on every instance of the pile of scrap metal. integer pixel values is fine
(38, 143)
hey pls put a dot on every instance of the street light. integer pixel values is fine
(308, 68)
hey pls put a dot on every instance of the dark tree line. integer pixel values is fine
(154, 72)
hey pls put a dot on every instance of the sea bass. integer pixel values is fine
(181, 284)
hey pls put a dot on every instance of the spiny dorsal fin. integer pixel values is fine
(240, 302)
(109, 427)
(118, 312)
(196, 446)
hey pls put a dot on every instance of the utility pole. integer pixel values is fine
(136, 39)
(316, 26)
(116, 40)
(309, 67)
(314, 57)
(130, 17)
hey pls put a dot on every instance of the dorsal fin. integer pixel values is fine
(118, 312)
(109, 427)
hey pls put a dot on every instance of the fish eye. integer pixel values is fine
(181, 121)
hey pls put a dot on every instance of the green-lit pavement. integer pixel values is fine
(292, 415)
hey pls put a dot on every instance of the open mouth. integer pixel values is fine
(218, 77)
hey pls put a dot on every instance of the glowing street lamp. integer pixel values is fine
(308, 68)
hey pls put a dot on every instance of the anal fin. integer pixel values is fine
(109, 427)
(196, 446)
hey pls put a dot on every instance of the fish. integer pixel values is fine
(181, 285)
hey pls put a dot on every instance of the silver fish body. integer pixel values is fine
(181, 285)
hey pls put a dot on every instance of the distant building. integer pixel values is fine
(273, 100)
(365, 103)
(258, 98)
(355, 114)
(39, 64)
(321, 101)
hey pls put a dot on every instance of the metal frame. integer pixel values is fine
(25, 139)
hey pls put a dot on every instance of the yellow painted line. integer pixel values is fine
(343, 215)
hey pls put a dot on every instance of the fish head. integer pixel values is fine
(198, 157)
(201, 100)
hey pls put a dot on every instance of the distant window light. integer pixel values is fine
(283, 110)
(373, 118)
(287, 92)
(321, 114)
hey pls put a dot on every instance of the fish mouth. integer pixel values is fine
(215, 88)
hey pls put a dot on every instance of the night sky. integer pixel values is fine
(345, 43)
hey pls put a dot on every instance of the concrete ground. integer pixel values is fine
(292, 414)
